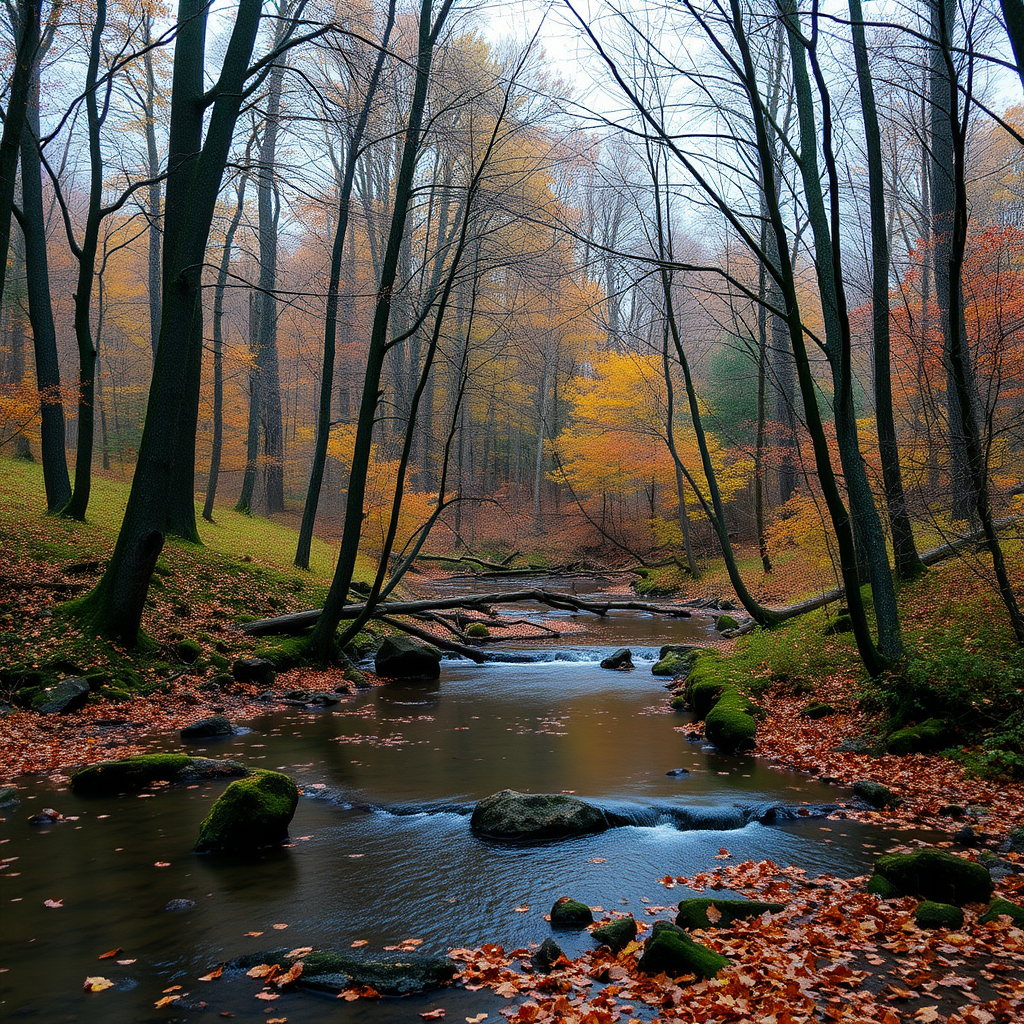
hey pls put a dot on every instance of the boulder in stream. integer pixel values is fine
(620, 660)
(398, 657)
(694, 913)
(249, 814)
(533, 816)
(132, 773)
(730, 724)
(208, 728)
(570, 913)
(547, 955)
(616, 934)
(671, 951)
(931, 874)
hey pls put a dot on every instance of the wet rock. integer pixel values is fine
(133, 773)
(925, 738)
(954, 811)
(724, 622)
(673, 952)
(996, 866)
(400, 974)
(357, 679)
(301, 696)
(617, 934)
(179, 905)
(533, 816)
(675, 660)
(266, 697)
(208, 728)
(570, 913)
(47, 816)
(321, 699)
(548, 955)
(6, 709)
(8, 797)
(62, 699)
(854, 745)
(1000, 908)
(620, 660)
(398, 657)
(249, 814)
(965, 836)
(938, 915)
(817, 709)
(875, 794)
(257, 671)
(694, 913)
(931, 874)
(678, 773)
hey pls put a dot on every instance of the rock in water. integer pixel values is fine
(249, 814)
(179, 905)
(694, 913)
(398, 974)
(617, 934)
(208, 728)
(548, 955)
(401, 658)
(62, 699)
(620, 660)
(531, 816)
(132, 773)
(570, 913)
(671, 951)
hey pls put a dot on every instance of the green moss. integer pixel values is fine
(218, 661)
(840, 624)
(730, 724)
(286, 653)
(938, 915)
(672, 953)
(478, 630)
(926, 738)
(674, 663)
(875, 794)
(999, 908)
(129, 774)
(724, 622)
(188, 651)
(817, 709)
(250, 813)
(617, 934)
(880, 886)
(694, 913)
(933, 874)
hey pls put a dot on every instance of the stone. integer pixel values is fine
(1014, 841)
(854, 745)
(817, 709)
(938, 915)
(678, 773)
(1002, 908)
(570, 913)
(188, 651)
(674, 663)
(6, 709)
(321, 699)
(47, 816)
(9, 797)
(694, 913)
(617, 934)
(477, 631)
(398, 657)
(400, 974)
(547, 955)
(729, 725)
(674, 953)
(724, 622)
(875, 794)
(926, 738)
(62, 699)
(179, 905)
(619, 660)
(257, 671)
(933, 874)
(954, 811)
(208, 728)
(298, 695)
(133, 773)
(533, 816)
(357, 679)
(251, 813)
(965, 836)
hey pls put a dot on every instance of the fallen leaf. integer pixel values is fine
(125, 963)
(437, 1014)
(290, 975)
(97, 984)
(162, 864)
(263, 971)
(268, 996)
(214, 974)
(277, 1020)
(927, 1014)
(476, 1020)
(166, 1001)
(172, 988)
(280, 927)
(360, 942)
(53, 904)
(110, 954)
(301, 951)
(521, 910)
(253, 935)
(714, 915)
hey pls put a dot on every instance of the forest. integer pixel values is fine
(553, 351)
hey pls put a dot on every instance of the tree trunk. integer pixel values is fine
(252, 435)
(154, 190)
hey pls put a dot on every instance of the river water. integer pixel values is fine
(381, 849)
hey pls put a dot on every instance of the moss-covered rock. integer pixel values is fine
(938, 915)
(933, 874)
(478, 631)
(840, 624)
(249, 814)
(875, 794)
(925, 738)
(730, 724)
(674, 953)
(724, 622)
(188, 651)
(817, 709)
(133, 773)
(880, 886)
(694, 913)
(401, 658)
(67, 696)
(547, 955)
(616, 934)
(675, 660)
(533, 816)
(570, 913)
(1000, 908)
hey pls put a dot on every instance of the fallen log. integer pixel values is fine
(298, 622)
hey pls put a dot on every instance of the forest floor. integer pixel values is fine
(835, 954)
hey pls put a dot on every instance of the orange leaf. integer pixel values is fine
(166, 1001)
(301, 951)
(162, 864)
(214, 974)
(714, 915)
(290, 975)
(253, 935)
(437, 1014)
(110, 954)
(263, 971)
(360, 942)
(280, 927)
(268, 996)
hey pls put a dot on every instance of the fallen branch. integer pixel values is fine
(445, 645)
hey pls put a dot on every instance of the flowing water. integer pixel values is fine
(381, 848)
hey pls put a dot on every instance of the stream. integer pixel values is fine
(381, 849)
